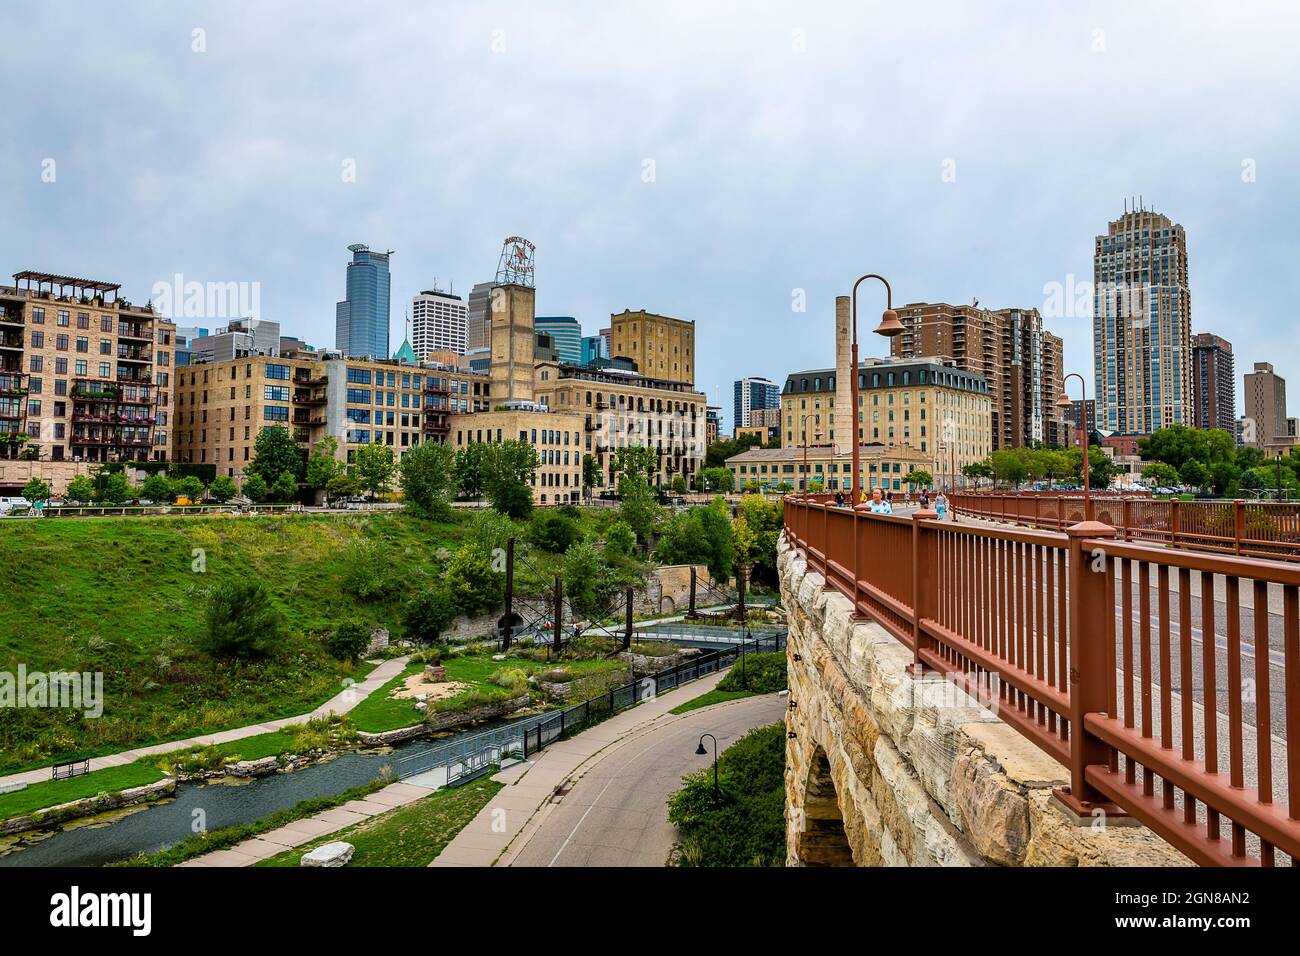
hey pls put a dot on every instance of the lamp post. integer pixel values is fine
(803, 427)
(889, 327)
(700, 751)
(1063, 403)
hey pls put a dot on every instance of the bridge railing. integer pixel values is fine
(1259, 529)
(1147, 671)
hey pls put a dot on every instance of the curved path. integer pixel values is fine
(616, 814)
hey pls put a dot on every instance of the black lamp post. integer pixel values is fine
(889, 327)
(701, 752)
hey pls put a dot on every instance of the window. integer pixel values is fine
(272, 393)
(280, 372)
(276, 413)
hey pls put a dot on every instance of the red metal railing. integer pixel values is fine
(1166, 681)
(1260, 529)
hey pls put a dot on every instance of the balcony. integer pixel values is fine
(128, 354)
(309, 398)
(135, 331)
(435, 386)
(590, 426)
(11, 340)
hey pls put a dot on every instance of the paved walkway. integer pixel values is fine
(617, 813)
(340, 703)
(266, 845)
(515, 814)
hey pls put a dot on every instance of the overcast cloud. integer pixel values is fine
(794, 146)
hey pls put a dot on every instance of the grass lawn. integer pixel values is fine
(409, 836)
(121, 596)
(709, 698)
(379, 712)
(51, 793)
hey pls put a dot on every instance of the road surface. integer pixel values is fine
(616, 814)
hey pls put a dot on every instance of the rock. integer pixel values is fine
(435, 672)
(498, 657)
(378, 641)
(254, 768)
(331, 854)
(421, 706)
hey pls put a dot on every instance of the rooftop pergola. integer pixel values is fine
(78, 286)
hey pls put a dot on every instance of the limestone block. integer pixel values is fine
(337, 853)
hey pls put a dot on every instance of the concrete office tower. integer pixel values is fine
(241, 338)
(1266, 408)
(478, 324)
(751, 395)
(1214, 386)
(438, 323)
(593, 348)
(662, 347)
(566, 336)
(514, 340)
(361, 320)
(1142, 325)
(1021, 361)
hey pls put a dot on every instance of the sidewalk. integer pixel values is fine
(529, 786)
(340, 703)
(273, 842)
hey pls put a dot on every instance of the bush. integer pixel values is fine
(762, 674)
(255, 488)
(368, 573)
(620, 539)
(490, 530)
(349, 641)
(81, 489)
(746, 825)
(513, 677)
(552, 531)
(428, 480)
(556, 675)
(240, 620)
(473, 583)
(222, 488)
(427, 614)
(187, 487)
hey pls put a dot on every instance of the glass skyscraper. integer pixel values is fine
(361, 320)
(566, 333)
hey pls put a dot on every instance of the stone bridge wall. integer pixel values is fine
(883, 770)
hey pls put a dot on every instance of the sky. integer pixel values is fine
(736, 164)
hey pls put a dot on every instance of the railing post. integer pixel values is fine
(1174, 521)
(1060, 512)
(1090, 664)
(923, 582)
(1128, 517)
(857, 614)
(1238, 524)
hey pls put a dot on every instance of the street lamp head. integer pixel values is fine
(700, 751)
(1064, 401)
(889, 325)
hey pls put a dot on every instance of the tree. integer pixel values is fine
(255, 487)
(490, 530)
(590, 473)
(468, 468)
(1193, 474)
(473, 583)
(552, 531)
(764, 521)
(116, 489)
(349, 641)
(678, 484)
(1161, 474)
(36, 490)
(980, 469)
(222, 488)
(716, 455)
(638, 507)
(427, 614)
(429, 480)
(323, 463)
(633, 460)
(374, 468)
(700, 535)
(285, 488)
(588, 581)
(240, 620)
(188, 487)
(919, 478)
(620, 539)
(1007, 467)
(509, 468)
(1250, 481)
(342, 486)
(80, 488)
(717, 479)
(275, 451)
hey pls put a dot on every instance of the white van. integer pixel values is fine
(21, 505)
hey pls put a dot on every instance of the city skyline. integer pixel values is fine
(684, 189)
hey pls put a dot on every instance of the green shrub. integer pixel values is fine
(552, 531)
(349, 641)
(620, 538)
(427, 614)
(763, 674)
(474, 584)
(556, 675)
(368, 573)
(240, 620)
(478, 698)
(745, 825)
(513, 677)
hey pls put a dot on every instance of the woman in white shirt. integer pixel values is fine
(879, 503)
